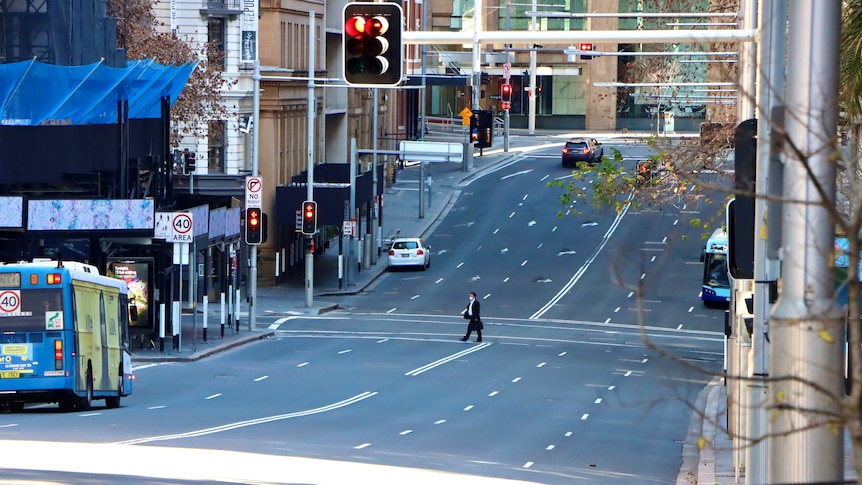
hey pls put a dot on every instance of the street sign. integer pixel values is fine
(181, 228)
(10, 302)
(253, 192)
(465, 113)
(507, 71)
(506, 105)
(297, 227)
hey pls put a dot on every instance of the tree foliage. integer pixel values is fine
(201, 100)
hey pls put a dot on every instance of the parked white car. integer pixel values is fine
(409, 251)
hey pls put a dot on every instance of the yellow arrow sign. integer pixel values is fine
(466, 113)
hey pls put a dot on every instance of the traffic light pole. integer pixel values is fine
(255, 155)
(309, 194)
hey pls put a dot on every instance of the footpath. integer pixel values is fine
(711, 465)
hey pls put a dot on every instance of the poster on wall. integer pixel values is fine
(137, 273)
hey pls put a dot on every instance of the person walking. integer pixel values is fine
(472, 314)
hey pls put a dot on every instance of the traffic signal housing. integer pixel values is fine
(586, 47)
(373, 50)
(189, 159)
(253, 225)
(309, 217)
(506, 93)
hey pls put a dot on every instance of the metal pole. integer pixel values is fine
(351, 251)
(531, 100)
(422, 119)
(421, 190)
(806, 325)
(747, 67)
(309, 194)
(255, 159)
(506, 112)
(478, 8)
(770, 95)
(369, 230)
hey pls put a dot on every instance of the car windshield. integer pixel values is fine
(405, 245)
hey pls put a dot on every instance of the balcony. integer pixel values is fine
(221, 8)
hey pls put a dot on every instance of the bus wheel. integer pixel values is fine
(85, 402)
(113, 402)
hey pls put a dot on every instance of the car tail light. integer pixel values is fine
(419, 252)
(391, 252)
(565, 150)
(58, 354)
(586, 149)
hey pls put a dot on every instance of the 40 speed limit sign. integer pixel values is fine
(10, 303)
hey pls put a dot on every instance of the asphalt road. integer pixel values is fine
(562, 389)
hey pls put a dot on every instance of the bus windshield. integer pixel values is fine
(35, 303)
(715, 271)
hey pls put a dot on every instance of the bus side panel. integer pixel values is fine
(86, 320)
(112, 353)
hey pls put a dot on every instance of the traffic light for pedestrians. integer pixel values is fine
(506, 93)
(309, 217)
(373, 51)
(189, 160)
(253, 226)
(586, 47)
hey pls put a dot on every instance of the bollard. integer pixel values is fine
(162, 328)
(222, 314)
(206, 316)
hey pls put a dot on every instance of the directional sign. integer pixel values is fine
(181, 228)
(253, 192)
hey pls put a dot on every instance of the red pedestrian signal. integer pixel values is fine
(253, 226)
(309, 217)
(506, 93)
(586, 47)
(373, 50)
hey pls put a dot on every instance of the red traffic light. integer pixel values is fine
(585, 46)
(506, 93)
(253, 229)
(373, 43)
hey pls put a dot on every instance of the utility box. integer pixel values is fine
(482, 128)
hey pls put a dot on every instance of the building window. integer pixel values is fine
(216, 141)
(216, 40)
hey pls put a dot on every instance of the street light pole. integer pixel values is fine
(309, 192)
(531, 122)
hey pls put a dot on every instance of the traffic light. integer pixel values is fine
(586, 47)
(373, 52)
(253, 226)
(189, 160)
(506, 93)
(309, 217)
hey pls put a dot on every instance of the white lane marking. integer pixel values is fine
(643, 275)
(568, 434)
(608, 320)
(524, 263)
(583, 269)
(274, 326)
(438, 280)
(493, 394)
(664, 240)
(440, 421)
(363, 445)
(550, 447)
(486, 296)
(8, 425)
(522, 172)
(561, 354)
(528, 464)
(627, 374)
(540, 245)
(611, 388)
(459, 265)
(284, 319)
(631, 293)
(543, 178)
(88, 414)
(675, 222)
(679, 327)
(414, 297)
(213, 396)
(156, 407)
(250, 422)
(516, 379)
(505, 280)
(652, 260)
(525, 196)
(541, 364)
(597, 401)
(405, 432)
(468, 408)
(344, 351)
(511, 215)
(691, 309)
(478, 247)
(584, 417)
(554, 229)
(495, 231)
(302, 364)
(146, 366)
(616, 310)
(439, 362)
(382, 340)
(391, 310)
(261, 378)
(504, 250)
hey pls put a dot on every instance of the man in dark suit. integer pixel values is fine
(472, 314)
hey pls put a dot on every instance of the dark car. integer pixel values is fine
(582, 150)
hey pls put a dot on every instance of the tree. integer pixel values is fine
(201, 100)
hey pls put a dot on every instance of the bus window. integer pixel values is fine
(35, 303)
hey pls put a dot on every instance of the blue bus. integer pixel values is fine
(64, 336)
(716, 279)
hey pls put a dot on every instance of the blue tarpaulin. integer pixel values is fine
(33, 93)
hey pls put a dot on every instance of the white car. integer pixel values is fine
(409, 251)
